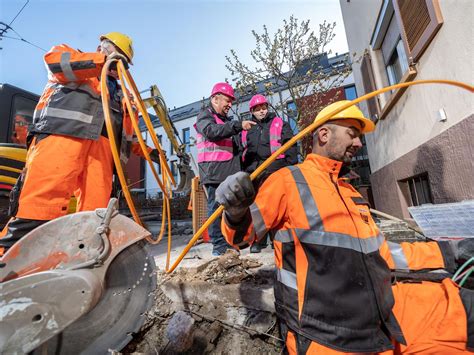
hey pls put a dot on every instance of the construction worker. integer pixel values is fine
(218, 151)
(70, 153)
(261, 141)
(333, 290)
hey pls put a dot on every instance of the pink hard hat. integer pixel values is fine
(257, 100)
(224, 89)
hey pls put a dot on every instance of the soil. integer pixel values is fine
(224, 325)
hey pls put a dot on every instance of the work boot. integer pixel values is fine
(256, 248)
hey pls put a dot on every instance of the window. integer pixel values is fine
(403, 30)
(187, 139)
(291, 109)
(22, 117)
(416, 22)
(174, 170)
(397, 64)
(418, 190)
(393, 53)
(419, 21)
(171, 149)
(350, 92)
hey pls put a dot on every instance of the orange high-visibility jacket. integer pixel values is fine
(333, 264)
(71, 101)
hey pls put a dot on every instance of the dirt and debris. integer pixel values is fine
(229, 302)
(229, 299)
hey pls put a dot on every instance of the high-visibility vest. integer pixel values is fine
(275, 137)
(208, 151)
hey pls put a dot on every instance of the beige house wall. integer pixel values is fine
(413, 120)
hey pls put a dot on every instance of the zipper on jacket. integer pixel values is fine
(365, 263)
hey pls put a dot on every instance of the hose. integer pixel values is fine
(300, 135)
(125, 77)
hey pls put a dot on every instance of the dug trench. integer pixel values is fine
(222, 306)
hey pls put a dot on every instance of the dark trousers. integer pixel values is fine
(17, 229)
(218, 242)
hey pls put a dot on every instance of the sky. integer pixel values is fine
(179, 45)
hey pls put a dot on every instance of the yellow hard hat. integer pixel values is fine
(123, 42)
(351, 112)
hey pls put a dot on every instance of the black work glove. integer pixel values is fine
(155, 156)
(463, 249)
(236, 194)
(456, 252)
(118, 56)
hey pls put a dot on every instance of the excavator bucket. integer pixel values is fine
(186, 175)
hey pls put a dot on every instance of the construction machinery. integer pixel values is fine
(16, 113)
(186, 174)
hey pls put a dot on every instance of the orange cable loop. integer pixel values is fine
(299, 136)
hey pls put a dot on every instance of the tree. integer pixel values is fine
(292, 66)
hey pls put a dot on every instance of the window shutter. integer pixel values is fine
(369, 85)
(419, 21)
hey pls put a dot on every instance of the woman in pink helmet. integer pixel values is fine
(263, 139)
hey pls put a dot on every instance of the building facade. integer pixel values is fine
(421, 151)
(185, 117)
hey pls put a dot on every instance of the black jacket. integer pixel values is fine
(216, 172)
(258, 147)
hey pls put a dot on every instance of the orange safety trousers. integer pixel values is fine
(432, 318)
(58, 167)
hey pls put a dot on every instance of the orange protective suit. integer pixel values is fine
(333, 290)
(53, 175)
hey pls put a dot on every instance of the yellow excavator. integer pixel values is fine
(186, 174)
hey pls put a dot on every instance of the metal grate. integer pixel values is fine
(199, 204)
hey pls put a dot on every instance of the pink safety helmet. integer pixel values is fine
(257, 100)
(224, 89)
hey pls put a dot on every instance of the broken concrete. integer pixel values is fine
(230, 299)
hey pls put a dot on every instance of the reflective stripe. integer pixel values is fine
(66, 66)
(307, 200)
(208, 151)
(221, 148)
(244, 139)
(258, 222)
(284, 236)
(275, 135)
(339, 240)
(287, 278)
(398, 256)
(213, 156)
(67, 114)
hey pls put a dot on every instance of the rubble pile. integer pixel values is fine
(222, 306)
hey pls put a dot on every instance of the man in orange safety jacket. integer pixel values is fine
(333, 289)
(70, 152)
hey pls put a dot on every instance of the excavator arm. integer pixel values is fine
(186, 173)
